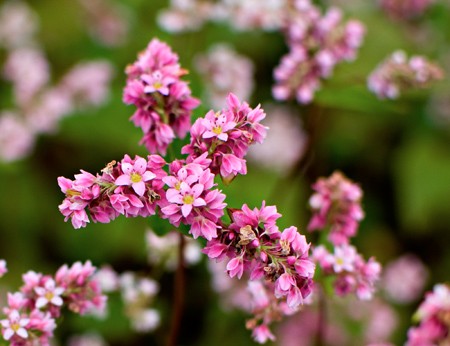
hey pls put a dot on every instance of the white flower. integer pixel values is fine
(49, 294)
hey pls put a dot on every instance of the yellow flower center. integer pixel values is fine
(177, 186)
(188, 199)
(157, 85)
(71, 193)
(15, 326)
(136, 177)
(49, 296)
(217, 130)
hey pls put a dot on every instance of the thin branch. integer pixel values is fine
(178, 295)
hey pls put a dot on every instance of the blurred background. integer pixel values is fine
(397, 150)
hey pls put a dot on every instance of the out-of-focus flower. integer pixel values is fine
(285, 142)
(184, 15)
(404, 279)
(432, 315)
(3, 268)
(107, 21)
(397, 74)
(138, 294)
(223, 71)
(18, 24)
(16, 139)
(316, 44)
(163, 250)
(87, 339)
(405, 9)
(336, 203)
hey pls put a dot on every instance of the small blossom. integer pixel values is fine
(14, 325)
(49, 294)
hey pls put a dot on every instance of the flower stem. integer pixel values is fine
(321, 318)
(178, 295)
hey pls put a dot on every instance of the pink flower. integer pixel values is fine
(135, 174)
(49, 294)
(262, 334)
(235, 267)
(15, 325)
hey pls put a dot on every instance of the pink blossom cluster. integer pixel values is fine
(31, 312)
(137, 293)
(187, 15)
(285, 143)
(107, 21)
(336, 206)
(316, 44)
(225, 137)
(191, 198)
(352, 274)
(223, 70)
(39, 105)
(253, 244)
(404, 279)
(433, 317)
(405, 9)
(163, 101)
(397, 74)
(132, 187)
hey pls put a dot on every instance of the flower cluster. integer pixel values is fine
(184, 15)
(133, 187)
(225, 137)
(223, 70)
(336, 204)
(285, 143)
(164, 102)
(397, 74)
(191, 199)
(350, 272)
(39, 105)
(404, 279)
(316, 44)
(107, 21)
(405, 9)
(253, 244)
(433, 315)
(31, 312)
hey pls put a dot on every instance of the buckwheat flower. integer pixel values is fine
(223, 70)
(397, 74)
(352, 274)
(225, 137)
(87, 339)
(251, 14)
(107, 278)
(14, 325)
(262, 334)
(191, 200)
(163, 250)
(185, 15)
(3, 268)
(254, 245)
(285, 142)
(336, 203)
(16, 138)
(28, 70)
(18, 24)
(404, 279)
(316, 44)
(49, 294)
(146, 320)
(135, 174)
(82, 291)
(405, 9)
(87, 83)
(432, 315)
(164, 102)
(107, 21)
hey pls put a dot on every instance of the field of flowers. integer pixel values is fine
(224, 172)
